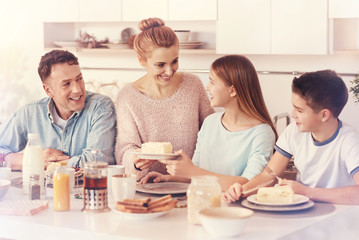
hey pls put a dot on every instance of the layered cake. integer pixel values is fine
(277, 194)
(156, 147)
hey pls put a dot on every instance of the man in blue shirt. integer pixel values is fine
(70, 122)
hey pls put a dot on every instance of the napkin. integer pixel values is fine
(23, 207)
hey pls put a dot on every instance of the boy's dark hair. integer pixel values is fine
(322, 90)
(52, 58)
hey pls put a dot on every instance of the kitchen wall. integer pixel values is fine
(21, 46)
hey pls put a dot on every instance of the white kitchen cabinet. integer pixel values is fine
(60, 11)
(189, 10)
(136, 10)
(243, 27)
(272, 27)
(100, 11)
(343, 9)
(299, 27)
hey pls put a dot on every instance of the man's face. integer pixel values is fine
(66, 87)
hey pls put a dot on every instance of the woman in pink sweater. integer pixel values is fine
(163, 105)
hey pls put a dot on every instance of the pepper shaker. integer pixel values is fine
(34, 187)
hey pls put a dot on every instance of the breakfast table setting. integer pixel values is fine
(314, 221)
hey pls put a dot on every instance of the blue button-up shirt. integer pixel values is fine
(94, 127)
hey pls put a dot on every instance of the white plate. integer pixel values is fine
(303, 206)
(66, 44)
(141, 216)
(298, 199)
(115, 45)
(163, 188)
(190, 45)
(153, 156)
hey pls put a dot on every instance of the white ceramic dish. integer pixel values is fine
(163, 188)
(152, 156)
(4, 186)
(116, 45)
(224, 221)
(303, 206)
(66, 44)
(190, 45)
(298, 199)
(140, 216)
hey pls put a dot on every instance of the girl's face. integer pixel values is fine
(219, 91)
(162, 64)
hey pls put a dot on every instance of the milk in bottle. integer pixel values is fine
(32, 162)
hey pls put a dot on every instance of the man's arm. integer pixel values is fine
(15, 159)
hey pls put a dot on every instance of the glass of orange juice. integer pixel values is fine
(61, 185)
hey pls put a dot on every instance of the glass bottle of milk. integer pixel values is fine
(32, 162)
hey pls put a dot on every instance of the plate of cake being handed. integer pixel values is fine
(277, 196)
(156, 151)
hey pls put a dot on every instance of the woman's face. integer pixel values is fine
(218, 90)
(162, 64)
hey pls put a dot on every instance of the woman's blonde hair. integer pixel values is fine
(154, 34)
(238, 71)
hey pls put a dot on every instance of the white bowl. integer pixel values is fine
(182, 35)
(4, 186)
(225, 221)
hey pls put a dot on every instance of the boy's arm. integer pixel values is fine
(342, 195)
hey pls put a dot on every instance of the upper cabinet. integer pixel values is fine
(243, 27)
(103, 11)
(343, 9)
(136, 10)
(60, 11)
(299, 27)
(189, 10)
(272, 27)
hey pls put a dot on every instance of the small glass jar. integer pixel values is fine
(34, 187)
(203, 192)
(49, 193)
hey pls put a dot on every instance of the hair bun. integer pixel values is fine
(150, 23)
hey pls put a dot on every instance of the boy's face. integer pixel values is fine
(306, 119)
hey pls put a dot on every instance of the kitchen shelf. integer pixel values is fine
(201, 51)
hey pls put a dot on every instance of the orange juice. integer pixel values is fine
(61, 183)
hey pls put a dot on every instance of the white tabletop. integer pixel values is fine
(323, 221)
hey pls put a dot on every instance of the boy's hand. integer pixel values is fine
(233, 193)
(297, 187)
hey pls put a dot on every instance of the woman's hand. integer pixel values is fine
(180, 167)
(142, 163)
(154, 177)
(233, 193)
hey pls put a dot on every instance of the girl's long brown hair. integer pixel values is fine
(238, 71)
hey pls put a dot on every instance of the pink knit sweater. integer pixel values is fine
(176, 119)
